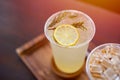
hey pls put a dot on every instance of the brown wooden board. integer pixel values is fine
(37, 55)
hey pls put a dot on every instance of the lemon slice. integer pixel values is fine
(66, 35)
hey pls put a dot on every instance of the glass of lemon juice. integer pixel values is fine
(69, 33)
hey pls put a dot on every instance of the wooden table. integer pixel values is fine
(23, 20)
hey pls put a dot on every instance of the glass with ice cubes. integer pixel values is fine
(103, 63)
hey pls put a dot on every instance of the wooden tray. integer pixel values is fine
(37, 55)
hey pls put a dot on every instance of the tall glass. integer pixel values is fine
(71, 59)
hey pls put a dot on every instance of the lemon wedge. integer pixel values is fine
(66, 35)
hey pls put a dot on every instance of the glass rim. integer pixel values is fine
(92, 52)
(77, 11)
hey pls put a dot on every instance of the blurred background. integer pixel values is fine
(23, 20)
(111, 5)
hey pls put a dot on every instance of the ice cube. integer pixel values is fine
(110, 74)
(97, 76)
(97, 54)
(96, 69)
(92, 60)
(97, 61)
(106, 63)
(115, 60)
(107, 48)
(118, 67)
(118, 54)
(117, 78)
(107, 56)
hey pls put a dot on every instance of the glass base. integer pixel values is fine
(65, 75)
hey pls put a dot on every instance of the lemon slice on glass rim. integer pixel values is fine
(66, 35)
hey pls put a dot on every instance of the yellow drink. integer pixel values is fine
(70, 59)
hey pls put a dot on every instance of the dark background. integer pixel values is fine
(23, 20)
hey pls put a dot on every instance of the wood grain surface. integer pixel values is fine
(37, 55)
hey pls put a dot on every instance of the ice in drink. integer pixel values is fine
(103, 62)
